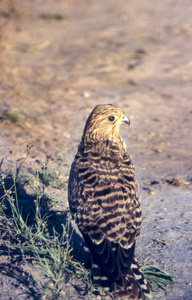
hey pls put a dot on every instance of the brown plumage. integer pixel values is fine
(104, 199)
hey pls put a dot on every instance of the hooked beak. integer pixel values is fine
(126, 120)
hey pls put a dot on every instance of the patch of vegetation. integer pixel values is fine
(158, 278)
(56, 16)
(51, 178)
(13, 117)
(51, 250)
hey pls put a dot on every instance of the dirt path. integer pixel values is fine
(58, 59)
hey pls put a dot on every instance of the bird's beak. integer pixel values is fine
(126, 120)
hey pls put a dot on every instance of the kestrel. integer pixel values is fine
(105, 202)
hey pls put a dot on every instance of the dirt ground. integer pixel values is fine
(58, 59)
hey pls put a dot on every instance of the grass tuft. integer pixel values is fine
(51, 178)
(13, 117)
(51, 250)
(158, 278)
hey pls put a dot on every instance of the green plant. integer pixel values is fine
(51, 178)
(158, 278)
(51, 251)
(13, 117)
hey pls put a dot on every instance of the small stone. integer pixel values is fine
(158, 150)
(86, 94)
(165, 201)
(152, 192)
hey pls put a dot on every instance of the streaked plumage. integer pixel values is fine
(104, 199)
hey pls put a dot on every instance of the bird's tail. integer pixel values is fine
(134, 286)
(140, 279)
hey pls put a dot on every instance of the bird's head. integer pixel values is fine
(104, 122)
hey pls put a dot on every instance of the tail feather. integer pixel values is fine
(100, 278)
(133, 286)
(142, 282)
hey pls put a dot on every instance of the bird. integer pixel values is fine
(104, 200)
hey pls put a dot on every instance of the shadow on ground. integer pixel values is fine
(14, 259)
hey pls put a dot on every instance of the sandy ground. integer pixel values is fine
(58, 59)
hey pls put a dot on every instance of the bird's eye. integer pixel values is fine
(111, 119)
